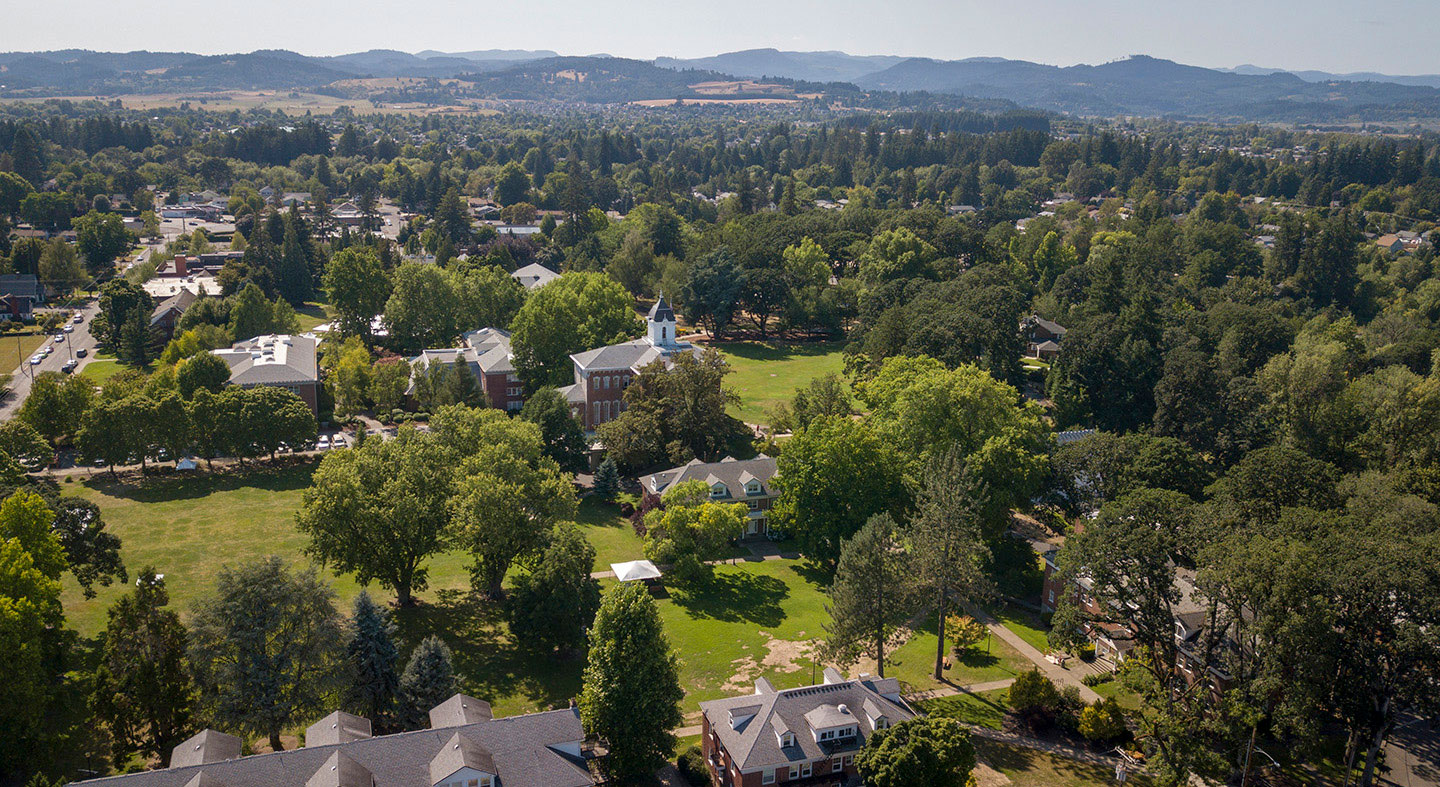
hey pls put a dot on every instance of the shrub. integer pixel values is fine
(1034, 698)
(1097, 678)
(691, 764)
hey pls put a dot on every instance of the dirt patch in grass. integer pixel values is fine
(780, 654)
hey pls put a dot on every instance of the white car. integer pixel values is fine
(35, 360)
(69, 329)
(59, 337)
(323, 444)
(339, 441)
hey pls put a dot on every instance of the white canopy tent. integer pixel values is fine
(635, 570)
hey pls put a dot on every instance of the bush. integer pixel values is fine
(1102, 722)
(1034, 698)
(1097, 678)
(691, 764)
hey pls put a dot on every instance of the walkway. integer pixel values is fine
(1056, 673)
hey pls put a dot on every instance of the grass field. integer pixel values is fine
(311, 315)
(1030, 768)
(101, 369)
(768, 374)
(914, 662)
(985, 709)
(16, 349)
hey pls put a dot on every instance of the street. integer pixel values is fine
(24, 375)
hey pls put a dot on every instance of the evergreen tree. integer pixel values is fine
(462, 386)
(142, 688)
(872, 596)
(607, 479)
(294, 274)
(429, 680)
(373, 659)
(631, 694)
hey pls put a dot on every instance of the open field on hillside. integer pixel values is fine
(16, 349)
(766, 374)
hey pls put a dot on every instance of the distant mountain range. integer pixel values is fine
(1139, 86)
(1418, 80)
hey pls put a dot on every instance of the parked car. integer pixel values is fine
(82, 352)
(79, 318)
(68, 329)
(69, 366)
(59, 337)
(339, 441)
(35, 360)
(323, 444)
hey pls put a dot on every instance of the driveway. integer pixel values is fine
(24, 375)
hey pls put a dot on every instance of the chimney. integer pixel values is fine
(181, 267)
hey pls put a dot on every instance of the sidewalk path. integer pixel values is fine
(1056, 673)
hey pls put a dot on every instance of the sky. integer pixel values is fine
(1330, 35)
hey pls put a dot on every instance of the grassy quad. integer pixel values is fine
(766, 374)
(16, 349)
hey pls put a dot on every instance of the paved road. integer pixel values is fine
(60, 353)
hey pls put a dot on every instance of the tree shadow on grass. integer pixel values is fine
(777, 351)
(734, 597)
(814, 573)
(165, 489)
(488, 662)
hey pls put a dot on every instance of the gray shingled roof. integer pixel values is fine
(22, 285)
(178, 302)
(756, 743)
(272, 360)
(535, 750)
(338, 727)
(458, 711)
(733, 473)
(459, 752)
(341, 770)
(534, 276)
(661, 310)
(206, 746)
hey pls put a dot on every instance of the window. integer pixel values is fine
(827, 735)
(767, 777)
(849, 760)
(804, 770)
(882, 723)
(753, 488)
(754, 505)
(836, 765)
(794, 771)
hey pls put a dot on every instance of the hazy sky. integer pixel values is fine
(1395, 36)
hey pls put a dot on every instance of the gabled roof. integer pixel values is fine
(458, 711)
(460, 752)
(205, 746)
(756, 744)
(341, 770)
(731, 473)
(338, 727)
(634, 355)
(661, 310)
(1036, 321)
(177, 303)
(23, 285)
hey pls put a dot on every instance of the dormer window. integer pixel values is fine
(787, 739)
(752, 488)
(718, 490)
(882, 722)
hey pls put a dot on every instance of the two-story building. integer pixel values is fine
(488, 354)
(804, 736)
(601, 375)
(464, 747)
(730, 480)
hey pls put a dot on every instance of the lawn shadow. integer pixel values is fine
(733, 597)
(776, 351)
(166, 489)
(489, 664)
(814, 573)
(977, 659)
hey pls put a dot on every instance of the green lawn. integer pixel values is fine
(768, 374)
(612, 535)
(985, 709)
(1030, 768)
(914, 662)
(311, 315)
(1024, 623)
(16, 349)
(101, 370)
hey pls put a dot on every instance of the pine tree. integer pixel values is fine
(429, 680)
(294, 278)
(872, 596)
(373, 659)
(631, 695)
(462, 386)
(607, 479)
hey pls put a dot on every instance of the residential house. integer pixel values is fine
(1114, 641)
(292, 199)
(167, 313)
(19, 295)
(534, 276)
(960, 210)
(1042, 337)
(808, 735)
(1392, 243)
(471, 749)
(287, 362)
(602, 375)
(730, 480)
(488, 354)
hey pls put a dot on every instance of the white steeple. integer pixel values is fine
(662, 324)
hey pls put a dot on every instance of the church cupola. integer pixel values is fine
(662, 323)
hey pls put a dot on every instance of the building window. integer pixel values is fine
(767, 777)
(849, 760)
(794, 771)
(754, 505)
(836, 765)
(804, 770)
